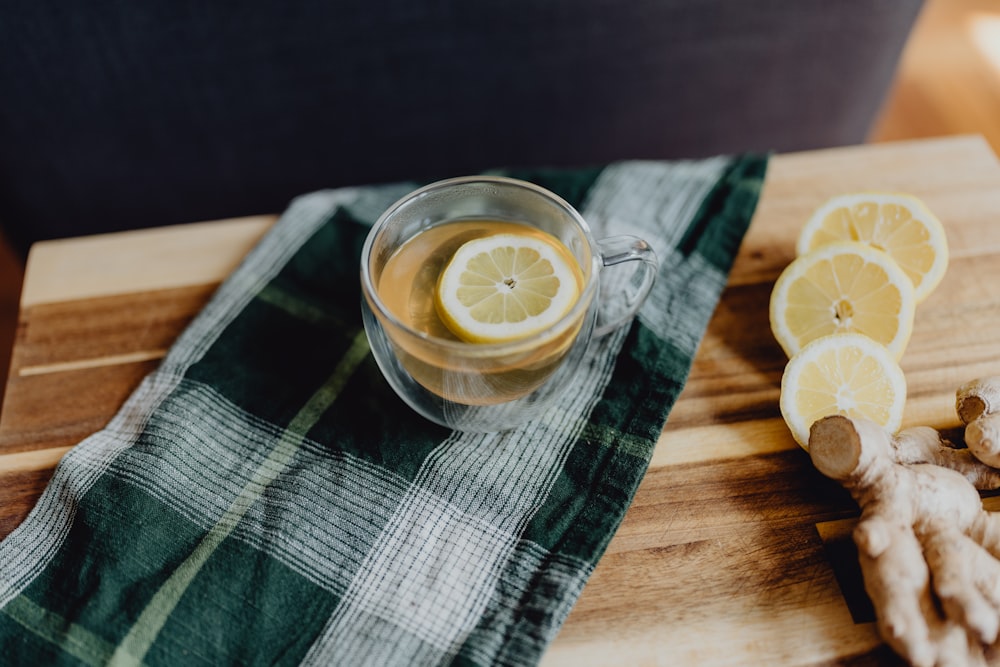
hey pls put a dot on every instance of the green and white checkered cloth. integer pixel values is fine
(264, 498)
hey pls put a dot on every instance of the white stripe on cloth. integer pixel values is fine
(657, 201)
(683, 301)
(654, 200)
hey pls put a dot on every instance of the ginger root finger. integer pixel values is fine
(923, 444)
(897, 581)
(982, 436)
(957, 565)
(978, 406)
(978, 397)
(986, 531)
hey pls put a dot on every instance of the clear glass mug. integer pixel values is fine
(492, 387)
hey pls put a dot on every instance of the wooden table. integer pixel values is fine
(735, 551)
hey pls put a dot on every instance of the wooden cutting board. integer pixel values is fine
(735, 551)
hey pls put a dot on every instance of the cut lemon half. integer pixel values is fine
(899, 224)
(843, 287)
(504, 287)
(842, 374)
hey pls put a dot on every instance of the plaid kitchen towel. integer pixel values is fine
(264, 498)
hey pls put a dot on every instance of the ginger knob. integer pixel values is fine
(978, 406)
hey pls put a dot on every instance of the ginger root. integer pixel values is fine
(929, 552)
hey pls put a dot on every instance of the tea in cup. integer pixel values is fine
(481, 295)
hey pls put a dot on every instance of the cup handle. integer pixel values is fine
(620, 300)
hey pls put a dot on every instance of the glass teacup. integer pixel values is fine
(485, 386)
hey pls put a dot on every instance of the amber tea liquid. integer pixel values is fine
(466, 374)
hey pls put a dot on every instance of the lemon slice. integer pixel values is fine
(899, 224)
(507, 286)
(842, 374)
(843, 287)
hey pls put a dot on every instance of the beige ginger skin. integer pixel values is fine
(929, 552)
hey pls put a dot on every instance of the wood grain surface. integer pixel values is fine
(735, 550)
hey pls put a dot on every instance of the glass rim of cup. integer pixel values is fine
(573, 315)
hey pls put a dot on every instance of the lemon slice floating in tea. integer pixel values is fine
(843, 287)
(842, 374)
(900, 224)
(508, 286)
